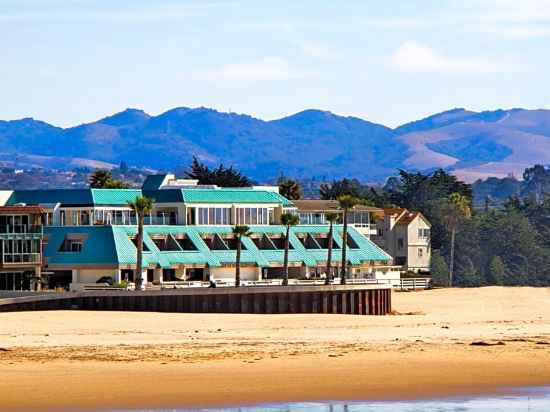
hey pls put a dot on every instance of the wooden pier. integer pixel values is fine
(337, 299)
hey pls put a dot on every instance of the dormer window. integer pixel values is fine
(72, 245)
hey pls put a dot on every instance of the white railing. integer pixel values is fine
(398, 284)
(413, 283)
(273, 282)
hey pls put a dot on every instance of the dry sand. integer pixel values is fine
(77, 360)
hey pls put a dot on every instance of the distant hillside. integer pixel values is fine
(309, 143)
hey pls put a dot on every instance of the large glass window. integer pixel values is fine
(254, 216)
(312, 218)
(214, 215)
(358, 218)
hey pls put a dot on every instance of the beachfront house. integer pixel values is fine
(20, 247)
(405, 235)
(402, 234)
(90, 235)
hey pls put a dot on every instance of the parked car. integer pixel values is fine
(106, 279)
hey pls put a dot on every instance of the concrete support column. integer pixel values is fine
(118, 276)
(74, 278)
(182, 215)
(38, 273)
(158, 275)
(260, 273)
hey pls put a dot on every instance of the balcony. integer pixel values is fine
(21, 232)
(21, 258)
(20, 229)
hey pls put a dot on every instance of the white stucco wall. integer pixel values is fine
(4, 196)
(92, 275)
(228, 273)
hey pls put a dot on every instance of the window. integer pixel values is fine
(72, 245)
(169, 275)
(400, 260)
(312, 218)
(360, 219)
(264, 243)
(254, 215)
(166, 244)
(400, 243)
(420, 252)
(380, 232)
(214, 215)
(279, 242)
(352, 244)
(135, 242)
(424, 233)
(309, 242)
(186, 243)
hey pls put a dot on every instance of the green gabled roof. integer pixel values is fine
(99, 245)
(112, 244)
(114, 197)
(165, 195)
(153, 182)
(75, 197)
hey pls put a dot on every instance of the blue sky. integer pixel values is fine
(68, 62)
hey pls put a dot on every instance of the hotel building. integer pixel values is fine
(86, 235)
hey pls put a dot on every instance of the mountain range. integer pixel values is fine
(309, 143)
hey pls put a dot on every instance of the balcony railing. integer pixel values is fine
(18, 258)
(7, 229)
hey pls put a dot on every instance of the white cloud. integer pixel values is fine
(317, 51)
(414, 57)
(266, 69)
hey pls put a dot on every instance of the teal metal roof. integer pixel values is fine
(118, 197)
(165, 195)
(115, 197)
(112, 244)
(226, 195)
(75, 197)
(63, 196)
(99, 246)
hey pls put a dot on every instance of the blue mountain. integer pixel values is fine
(305, 144)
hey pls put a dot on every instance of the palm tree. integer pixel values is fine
(331, 218)
(287, 219)
(239, 231)
(456, 210)
(141, 206)
(100, 179)
(289, 188)
(346, 202)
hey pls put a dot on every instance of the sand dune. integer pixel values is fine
(439, 342)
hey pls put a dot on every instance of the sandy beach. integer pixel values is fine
(440, 342)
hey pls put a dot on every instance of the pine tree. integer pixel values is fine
(439, 270)
(497, 271)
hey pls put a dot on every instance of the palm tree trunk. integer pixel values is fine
(329, 256)
(285, 261)
(451, 265)
(137, 275)
(343, 269)
(238, 264)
